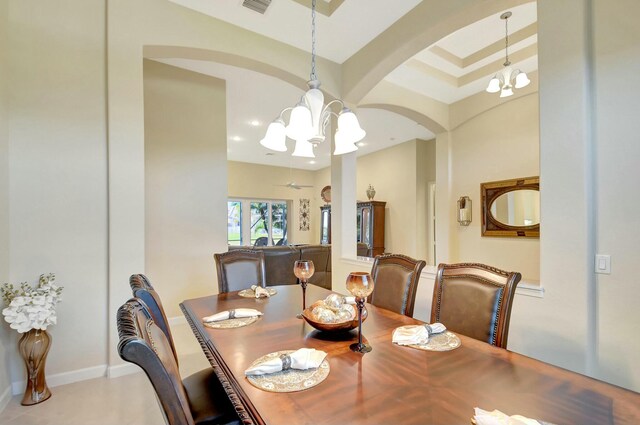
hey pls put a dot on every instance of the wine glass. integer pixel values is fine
(360, 285)
(303, 269)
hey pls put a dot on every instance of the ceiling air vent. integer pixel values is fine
(257, 5)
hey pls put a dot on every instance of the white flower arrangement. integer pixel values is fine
(31, 308)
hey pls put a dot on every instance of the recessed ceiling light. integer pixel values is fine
(312, 162)
(236, 138)
(361, 144)
(254, 123)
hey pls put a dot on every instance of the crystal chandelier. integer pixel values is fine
(309, 118)
(508, 78)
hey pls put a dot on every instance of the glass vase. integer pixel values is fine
(34, 346)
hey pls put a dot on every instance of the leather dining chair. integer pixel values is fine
(199, 399)
(362, 249)
(396, 281)
(475, 300)
(239, 269)
(261, 241)
(142, 289)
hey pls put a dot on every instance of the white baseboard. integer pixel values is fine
(122, 370)
(129, 368)
(5, 397)
(64, 378)
(530, 290)
(82, 374)
(526, 287)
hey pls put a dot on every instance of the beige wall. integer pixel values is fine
(58, 176)
(264, 182)
(589, 150)
(393, 172)
(322, 178)
(185, 181)
(425, 173)
(499, 144)
(6, 336)
(56, 89)
(616, 152)
(158, 27)
(399, 175)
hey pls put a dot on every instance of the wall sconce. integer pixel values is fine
(464, 210)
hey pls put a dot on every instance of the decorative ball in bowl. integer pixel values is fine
(333, 314)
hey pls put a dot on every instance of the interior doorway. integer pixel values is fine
(431, 225)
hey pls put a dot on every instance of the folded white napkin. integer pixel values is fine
(482, 417)
(304, 358)
(260, 291)
(419, 334)
(232, 314)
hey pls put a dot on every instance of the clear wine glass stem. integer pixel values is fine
(360, 307)
(303, 283)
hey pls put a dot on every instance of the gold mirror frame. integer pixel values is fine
(490, 192)
(325, 194)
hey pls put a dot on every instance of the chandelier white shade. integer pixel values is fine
(343, 144)
(349, 126)
(300, 126)
(304, 149)
(276, 137)
(309, 118)
(508, 78)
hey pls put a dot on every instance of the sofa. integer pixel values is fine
(279, 261)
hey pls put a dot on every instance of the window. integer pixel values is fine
(234, 223)
(257, 222)
(279, 222)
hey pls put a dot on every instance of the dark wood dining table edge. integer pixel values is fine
(249, 414)
(244, 408)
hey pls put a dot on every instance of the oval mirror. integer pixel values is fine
(517, 208)
(511, 208)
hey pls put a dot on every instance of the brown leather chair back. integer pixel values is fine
(143, 343)
(362, 249)
(239, 269)
(321, 257)
(475, 300)
(396, 281)
(143, 289)
(279, 262)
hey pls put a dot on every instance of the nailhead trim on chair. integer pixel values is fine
(495, 325)
(500, 298)
(151, 340)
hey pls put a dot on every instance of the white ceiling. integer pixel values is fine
(457, 66)
(257, 98)
(347, 30)
(470, 39)
(431, 75)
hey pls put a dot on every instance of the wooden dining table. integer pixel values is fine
(393, 384)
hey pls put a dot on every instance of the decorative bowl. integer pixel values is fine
(332, 327)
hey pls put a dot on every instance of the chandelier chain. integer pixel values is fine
(313, 75)
(506, 41)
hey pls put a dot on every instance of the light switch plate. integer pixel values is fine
(603, 264)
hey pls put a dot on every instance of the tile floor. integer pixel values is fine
(126, 400)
